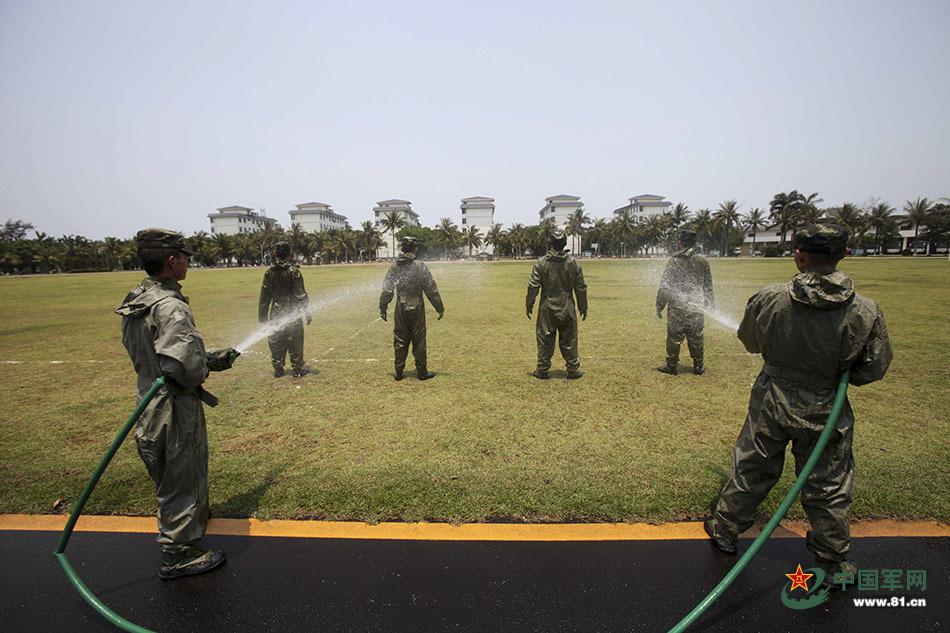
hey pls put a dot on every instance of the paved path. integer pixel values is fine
(332, 584)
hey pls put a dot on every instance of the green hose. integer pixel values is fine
(60, 553)
(830, 426)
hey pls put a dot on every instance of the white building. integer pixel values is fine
(235, 220)
(561, 208)
(316, 216)
(479, 211)
(644, 206)
(384, 207)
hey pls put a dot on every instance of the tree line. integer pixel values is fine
(873, 228)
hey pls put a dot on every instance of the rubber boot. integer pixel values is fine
(698, 368)
(424, 374)
(670, 367)
(300, 372)
(837, 573)
(190, 561)
(541, 375)
(278, 372)
(399, 374)
(575, 374)
(723, 542)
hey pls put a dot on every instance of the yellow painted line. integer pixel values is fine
(463, 532)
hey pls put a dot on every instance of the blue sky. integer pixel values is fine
(116, 115)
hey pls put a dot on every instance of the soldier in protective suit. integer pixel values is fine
(808, 331)
(559, 279)
(283, 296)
(685, 289)
(410, 279)
(159, 332)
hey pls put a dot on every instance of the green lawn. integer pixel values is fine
(483, 440)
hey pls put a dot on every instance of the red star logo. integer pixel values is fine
(799, 579)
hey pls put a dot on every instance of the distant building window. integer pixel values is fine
(464, 220)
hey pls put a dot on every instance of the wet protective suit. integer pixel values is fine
(409, 279)
(559, 279)
(283, 293)
(685, 289)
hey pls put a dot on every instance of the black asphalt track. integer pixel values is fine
(315, 585)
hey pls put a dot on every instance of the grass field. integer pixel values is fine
(483, 440)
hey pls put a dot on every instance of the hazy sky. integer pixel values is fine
(116, 115)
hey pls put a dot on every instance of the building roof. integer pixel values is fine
(234, 208)
(326, 211)
(563, 198)
(647, 196)
(478, 199)
(312, 204)
(393, 201)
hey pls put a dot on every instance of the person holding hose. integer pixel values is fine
(159, 332)
(808, 331)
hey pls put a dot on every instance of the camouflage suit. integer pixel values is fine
(282, 294)
(685, 289)
(808, 331)
(159, 332)
(409, 280)
(559, 279)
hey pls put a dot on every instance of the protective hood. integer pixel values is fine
(822, 289)
(406, 258)
(149, 292)
(558, 255)
(686, 252)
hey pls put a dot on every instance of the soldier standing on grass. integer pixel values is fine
(808, 331)
(559, 279)
(409, 279)
(283, 295)
(685, 289)
(159, 332)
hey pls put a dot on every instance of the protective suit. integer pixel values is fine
(409, 279)
(159, 332)
(559, 279)
(685, 289)
(808, 331)
(283, 294)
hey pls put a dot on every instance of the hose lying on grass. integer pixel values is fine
(840, 397)
(60, 553)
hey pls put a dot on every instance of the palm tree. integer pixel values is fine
(625, 227)
(575, 227)
(754, 220)
(702, 223)
(784, 210)
(494, 236)
(473, 238)
(725, 218)
(810, 213)
(517, 237)
(110, 247)
(224, 248)
(314, 245)
(598, 232)
(545, 230)
(297, 238)
(651, 231)
(881, 220)
(370, 237)
(679, 214)
(393, 221)
(244, 249)
(917, 211)
(447, 233)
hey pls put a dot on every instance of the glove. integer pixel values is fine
(441, 314)
(659, 314)
(528, 311)
(221, 359)
(382, 315)
(583, 316)
(309, 319)
(262, 319)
